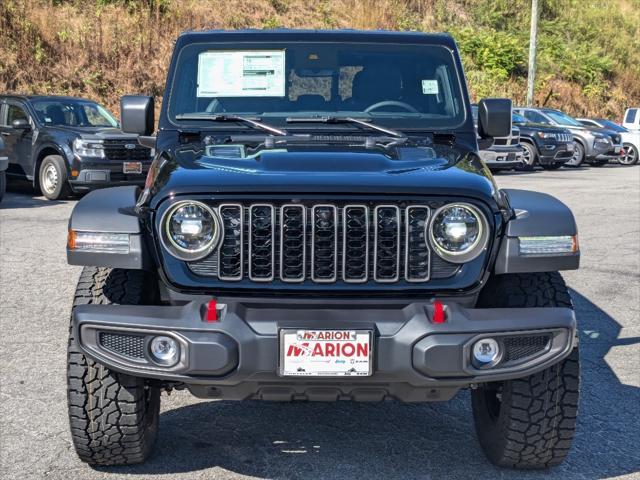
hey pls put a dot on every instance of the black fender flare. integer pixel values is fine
(536, 214)
(110, 210)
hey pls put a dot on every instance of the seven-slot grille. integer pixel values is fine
(564, 137)
(322, 243)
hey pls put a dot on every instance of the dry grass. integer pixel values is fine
(103, 49)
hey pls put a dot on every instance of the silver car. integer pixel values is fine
(593, 145)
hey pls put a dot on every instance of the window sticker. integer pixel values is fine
(259, 73)
(430, 87)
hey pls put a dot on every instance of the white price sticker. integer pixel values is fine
(430, 87)
(259, 73)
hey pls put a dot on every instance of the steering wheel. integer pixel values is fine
(390, 103)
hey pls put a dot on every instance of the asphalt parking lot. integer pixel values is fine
(209, 439)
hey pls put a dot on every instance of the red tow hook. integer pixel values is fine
(212, 311)
(439, 315)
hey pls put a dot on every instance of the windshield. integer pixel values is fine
(73, 113)
(412, 86)
(563, 118)
(611, 125)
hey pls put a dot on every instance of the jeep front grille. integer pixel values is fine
(324, 243)
(564, 137)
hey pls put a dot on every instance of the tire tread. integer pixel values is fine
(113, 417)
(538, 413)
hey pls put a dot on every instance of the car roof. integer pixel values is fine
(45, 97)
(289, 35)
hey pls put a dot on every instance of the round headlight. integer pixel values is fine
(191, 230)
(458, 232)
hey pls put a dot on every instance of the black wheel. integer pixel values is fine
(113, 417)
(3, 184)
(528, 422)
(552, 166)
(578, 155)
(52, 178)
(630, 156)
(529, 157)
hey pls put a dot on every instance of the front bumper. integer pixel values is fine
(555, 153)
(612, 154)
(237, 356)
(97, 174)
(502, 157)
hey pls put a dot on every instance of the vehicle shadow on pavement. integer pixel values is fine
(23, 195)
(395, 440)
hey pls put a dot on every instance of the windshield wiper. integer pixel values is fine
(334, 119)
(231, 118)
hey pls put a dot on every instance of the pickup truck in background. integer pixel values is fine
(68, 145)
(632, 119)
(504, 153)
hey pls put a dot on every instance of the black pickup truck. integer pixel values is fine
(317, 225)
(65, 145)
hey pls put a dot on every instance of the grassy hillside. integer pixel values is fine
(589, 51)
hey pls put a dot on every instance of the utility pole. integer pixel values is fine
(533, 40)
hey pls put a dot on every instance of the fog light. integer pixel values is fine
(165, 350)
(486, 353)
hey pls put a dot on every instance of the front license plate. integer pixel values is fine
(325, 353)
(570, 147)
(132, 167)
(617, 150)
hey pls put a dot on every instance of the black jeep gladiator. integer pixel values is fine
(67, 145)
(317, 225)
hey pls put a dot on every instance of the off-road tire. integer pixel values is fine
(62, 189)
(113, 417)
(529, 422)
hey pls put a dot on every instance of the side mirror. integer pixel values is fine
(137, 115)
(494, 117)
(21, 124)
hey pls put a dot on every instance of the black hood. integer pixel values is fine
(325, 171)
(94, 133)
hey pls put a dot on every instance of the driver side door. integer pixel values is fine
(18, 141)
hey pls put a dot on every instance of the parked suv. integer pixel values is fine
(4, 163)
(503, 153)
(65, 145)
(544, 145)
(630, 138)
(596, 146)
(317, 225)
